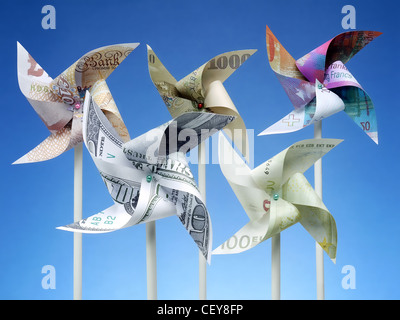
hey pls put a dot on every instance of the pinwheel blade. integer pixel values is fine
(272, 174)
(356, 102)
(165, 85)
(110, 219)
(97, 64)
(54, 145)
(315, 217)
(299, 90)
(277, 216)
(104, 99)
(342, 47)
(35, 84)
(325, 104)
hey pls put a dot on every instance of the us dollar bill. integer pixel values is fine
(143, 190)
(194, 216)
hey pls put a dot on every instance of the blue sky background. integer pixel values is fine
(360, 179)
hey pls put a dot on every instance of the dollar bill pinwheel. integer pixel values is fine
(319, 84)
(203, 90)
(276, 195)
(148, 177)
(58, 102)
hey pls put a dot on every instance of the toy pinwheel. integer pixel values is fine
(320, 70)
(58, 102)
(203, 90)
(276, 195)
(148, 177)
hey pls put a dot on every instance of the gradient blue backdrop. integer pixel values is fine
(360, 179)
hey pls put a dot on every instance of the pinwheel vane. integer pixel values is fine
(322, 69)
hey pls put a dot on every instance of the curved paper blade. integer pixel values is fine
(279, 59)
(54, 145)
(57, 143)
(299, 90)
(100, 63)
(165, 84)
(342, 47)
(238, 175)
(315, 217)
(103, 98)
(194, 85)
(104, 143)
(360, 108)
(144, 207)
(158, 72)
(357, 104)
(326, 103)
(34, 83)
(246, 238)
(217, 100)
(280, 216)
(111, 219)
(194, 216)
(337, 75)
(222, 66)
(97, 64)
(272, 174)
(292, 122)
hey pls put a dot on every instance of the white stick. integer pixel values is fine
(151, 260)
(276, 267)
(78, 155)
(319, 252)
(202, 189)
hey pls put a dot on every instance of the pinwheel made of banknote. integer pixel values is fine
(58, 102)
(148, 177)
(322, 71)
(203, 90)
(276, 195)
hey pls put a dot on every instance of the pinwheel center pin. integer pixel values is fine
(276, 196)
(148, 178)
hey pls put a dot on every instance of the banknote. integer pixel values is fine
(202, 90)
(35, 85)
(342, 48)
(194, 216)
(72, 83)
(322, 70)
(58, 102)
(357, 103)
(299, 90)
(148, 177)
(276, 195)
(102, 96)
(324, 104)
